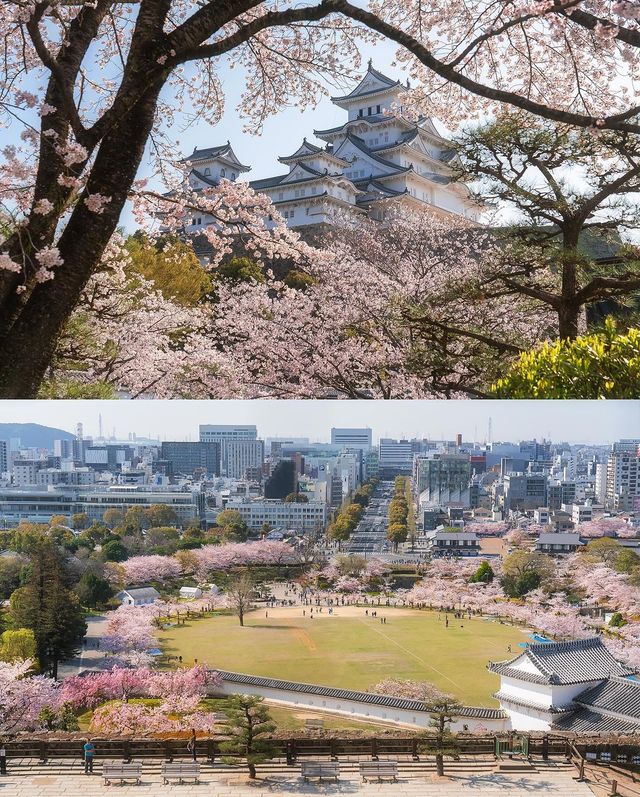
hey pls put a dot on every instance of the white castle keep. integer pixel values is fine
(377, 154)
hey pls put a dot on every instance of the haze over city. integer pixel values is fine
(571, 421)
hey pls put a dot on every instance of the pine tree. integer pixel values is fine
(50, 608)
(248, 722)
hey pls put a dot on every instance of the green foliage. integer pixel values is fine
(605, 364)
(92, 590)
(299, 280)
(160, 515)
(112, 518)
(247, 727)
(115, 551)
(484, 574)
(232, 525)
(60, 388)
(11, 569)
(49, 608)
(617, 620)
(296, 498)
(627, 561)
(172, 266)
(17, 644)
(518, 586)
(239, 269)
(64, 719)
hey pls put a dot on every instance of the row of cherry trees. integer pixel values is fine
(202, 562)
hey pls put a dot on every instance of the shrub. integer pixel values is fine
(605, 364)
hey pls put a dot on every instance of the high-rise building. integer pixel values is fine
(188, 457)
(210, 433)
(239, 447)
(442, 479)
(283, 480)
(395, 457)
(4, 456)
(239, 456)
(623, 481)
(524, 491)
(351, 438)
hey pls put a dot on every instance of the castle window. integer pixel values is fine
(377, 109)
(369, 111)
(361, 112)
(233, 175)
(223, 173)
(207, 172)
(292, 213)
(280, 195)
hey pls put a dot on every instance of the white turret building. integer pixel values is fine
(573, 686)
(378, 154)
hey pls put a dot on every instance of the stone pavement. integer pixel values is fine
(547, 783)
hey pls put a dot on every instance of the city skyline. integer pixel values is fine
(580, 422)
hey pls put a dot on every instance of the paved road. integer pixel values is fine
(370, 535)
(91, 656)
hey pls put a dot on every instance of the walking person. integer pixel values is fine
(3, 760)
(191, 745)
(89, 751)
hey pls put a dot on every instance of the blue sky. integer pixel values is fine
(571, 421)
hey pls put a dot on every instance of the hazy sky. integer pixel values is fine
(572, 421)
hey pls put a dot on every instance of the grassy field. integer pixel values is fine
(353, 652)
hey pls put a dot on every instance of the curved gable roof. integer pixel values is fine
(574, 661)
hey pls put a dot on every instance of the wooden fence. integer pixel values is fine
(409, 748)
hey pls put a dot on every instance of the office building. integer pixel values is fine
(189, 458)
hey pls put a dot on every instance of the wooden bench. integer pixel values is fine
(321, 770)
(121, 772)
(180, 771)
(382, 770)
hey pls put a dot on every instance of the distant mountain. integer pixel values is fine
(33, 435)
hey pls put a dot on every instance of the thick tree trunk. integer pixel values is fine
(29, 347)
(569, 312)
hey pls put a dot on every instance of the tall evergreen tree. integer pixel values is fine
(49, 607)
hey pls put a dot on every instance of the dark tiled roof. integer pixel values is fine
(386, 81)
(205, 179)
(311, 147)
(565, 538)
(571, 662)
(585, 720)
(616, 695)
(375, 118)
(205, 154)
(142, 592)
(476, 712)
(359, 144)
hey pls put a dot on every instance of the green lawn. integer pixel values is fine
(352, 652)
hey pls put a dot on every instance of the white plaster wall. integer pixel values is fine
(531, 721)
(356, 709)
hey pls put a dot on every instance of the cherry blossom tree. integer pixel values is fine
(114, 75)
(212, 558)
(23, 696)
(154, 567)
(385, 316)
